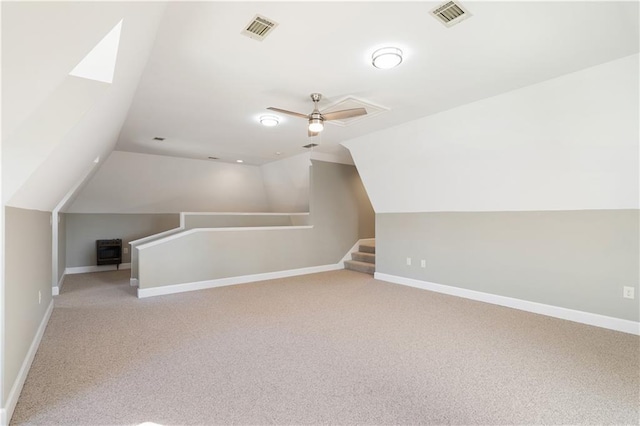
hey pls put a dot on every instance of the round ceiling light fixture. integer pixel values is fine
(316, 125)
(269, 120)
(386, 58)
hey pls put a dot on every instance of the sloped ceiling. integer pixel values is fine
(206, 84)
(54, 125)
(196, 81)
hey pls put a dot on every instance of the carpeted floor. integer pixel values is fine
(336, 347)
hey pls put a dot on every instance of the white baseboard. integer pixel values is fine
(95, 268)
(133, 282)
(55, 291)
(353, 249)
(617, 324)
(201, 285)
(14, 393)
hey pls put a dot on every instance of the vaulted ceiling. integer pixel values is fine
(185, 73)
(206, 84)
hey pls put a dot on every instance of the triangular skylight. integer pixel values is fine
(100, 63)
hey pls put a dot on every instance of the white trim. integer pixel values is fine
(625, 326)
(332, 158)
(196, 230)
(242, 214)
(354, 249)
(154, 236)
(95, 268)
(55, 291)
(184, 214)
(133, 282)
(14, 393)
(201, 285)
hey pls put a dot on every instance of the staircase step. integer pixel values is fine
(355, 265)
(368, 247)
(364, 257)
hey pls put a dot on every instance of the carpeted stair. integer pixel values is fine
(363, 260)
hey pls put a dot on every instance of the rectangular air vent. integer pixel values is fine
(351, 102)
(450, 13)
(259, 27)
(311, 145)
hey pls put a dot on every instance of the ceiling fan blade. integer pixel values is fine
(312, 134)
(284, 111)
(345, 113)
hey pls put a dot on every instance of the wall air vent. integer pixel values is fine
(311, 145)
(259, 28)
(450, 13)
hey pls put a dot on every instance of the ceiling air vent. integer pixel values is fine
(259, 27)
(450, 13)
(350, 102)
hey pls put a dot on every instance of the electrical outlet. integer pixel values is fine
(423, 263)
(39, 297)
(628, 292)
(125, 250)
(408, 261)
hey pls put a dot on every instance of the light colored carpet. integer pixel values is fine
(336, 347)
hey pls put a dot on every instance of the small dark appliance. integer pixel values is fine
(109, 252)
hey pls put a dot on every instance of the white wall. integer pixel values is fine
(142, 183)
(565, 144)
(287, 183)
(57, 124)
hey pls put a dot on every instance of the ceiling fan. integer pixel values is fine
(316, 118)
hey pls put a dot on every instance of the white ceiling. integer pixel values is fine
(205, 84)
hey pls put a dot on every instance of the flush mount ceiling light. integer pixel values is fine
(386, 58)
(239, 161)
(269, 120)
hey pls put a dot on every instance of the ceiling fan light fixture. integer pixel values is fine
(269, 120)
(386, 58)
(316, 125)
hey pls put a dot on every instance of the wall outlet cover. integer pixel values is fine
(408, 261)
(628, 292)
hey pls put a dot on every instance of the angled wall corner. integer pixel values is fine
(60, 122)
(30, 146)
(286, 183)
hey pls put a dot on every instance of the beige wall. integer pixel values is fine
(27, 273)
(231, 220)
(82, 231)
(131, 182)
(340, 215)
(573, 259)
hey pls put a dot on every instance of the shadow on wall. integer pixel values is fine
(341, 214)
